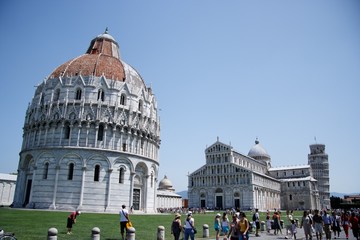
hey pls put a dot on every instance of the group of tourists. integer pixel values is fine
(321, 223)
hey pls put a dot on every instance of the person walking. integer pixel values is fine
(71, 219)
(189, 227)
(354, 224)
(124, 218)
(176, 226)
(306, 223)
(318, 224)
(336, 223)
(243, 226)
(234, 230)
(256, 219)
(288, 223)
(217, 226)
(268, 221)
(327, 223)
(224, 224)
(345, 221)
(276, 219)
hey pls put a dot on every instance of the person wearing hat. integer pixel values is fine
(217, 226)
(189, 227)
(124, 218)
(71, 220)
(176, 226)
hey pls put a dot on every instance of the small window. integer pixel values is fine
(96, 173)
(124, 147)
(71, 171)
(100, 132)
(122, 99)
(78, 94)
(46, 170)
(67, 131)
(57, 95)
(121, 175)
(140, 107)
(101, 95)
(290, 197)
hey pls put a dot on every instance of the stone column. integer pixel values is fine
(53, 205)
(82, 186)
(109, 188)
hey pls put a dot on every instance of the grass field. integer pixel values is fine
(34, 224)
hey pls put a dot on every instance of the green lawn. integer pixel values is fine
(34, 224)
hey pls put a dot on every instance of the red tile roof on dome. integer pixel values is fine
(101, 59)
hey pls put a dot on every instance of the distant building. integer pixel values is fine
(230, 179)
(7, 188)
(166, 196)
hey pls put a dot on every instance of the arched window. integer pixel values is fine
(96, 173)
(121, 175)
(46, 170)
(101, 95)
(100, 132)
(71, 171)
(290, 197)
(122, 99)
(57, 94)
(67, 131)
(78, 94)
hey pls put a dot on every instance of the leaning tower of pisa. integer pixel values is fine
(319, 163)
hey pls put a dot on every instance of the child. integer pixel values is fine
(293, 228)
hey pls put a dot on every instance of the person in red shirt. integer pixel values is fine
(71, 220)
(345, 220)
(354, 223)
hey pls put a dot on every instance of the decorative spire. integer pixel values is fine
(257, 140)
(106, 30)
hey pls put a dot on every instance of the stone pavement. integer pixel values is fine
(299, 236)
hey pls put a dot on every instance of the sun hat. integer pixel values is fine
(189, 213)
(218, 215)
(177, 215)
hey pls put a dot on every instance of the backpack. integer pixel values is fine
(254, 217)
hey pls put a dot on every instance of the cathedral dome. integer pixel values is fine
(101, 59)
(165, 183)
(258, 152)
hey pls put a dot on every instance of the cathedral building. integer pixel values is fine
(230, 179)
(91, 137)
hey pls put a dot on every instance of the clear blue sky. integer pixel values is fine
(283, 71)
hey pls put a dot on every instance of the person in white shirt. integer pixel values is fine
(124, 218)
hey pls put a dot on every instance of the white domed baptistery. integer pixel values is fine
(91, 136)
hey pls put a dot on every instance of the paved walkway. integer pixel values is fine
(299, 236)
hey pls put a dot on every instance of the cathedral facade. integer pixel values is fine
(91, 137)
(230, 179)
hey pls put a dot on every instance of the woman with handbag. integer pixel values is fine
(190, 229)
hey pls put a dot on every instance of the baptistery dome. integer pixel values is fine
(92, 133)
